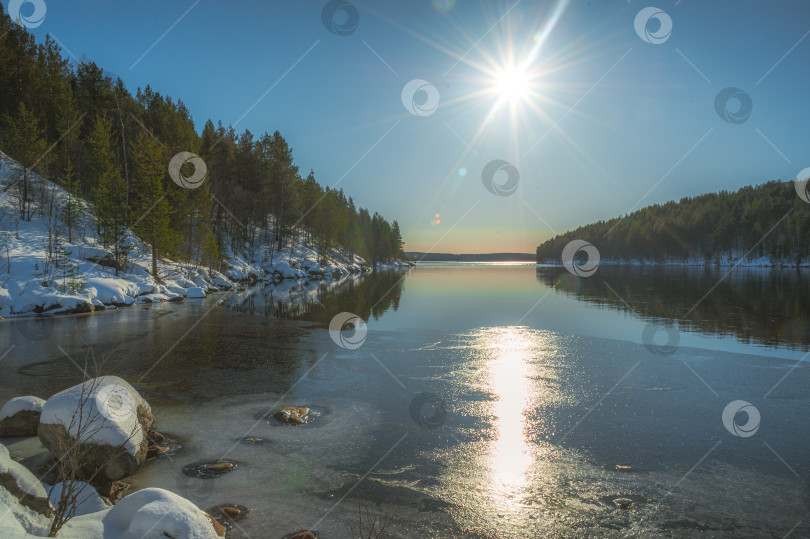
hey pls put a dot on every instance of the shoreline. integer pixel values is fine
(757, 264)
(94, 304)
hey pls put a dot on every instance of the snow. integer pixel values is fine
(288, 272)
(87, 499)
(154, 513)
(15, 519)
(19, 404)
(195, 292)
(22, 291)
(109, 416)
(110, 290)
(151, 513)
(10, 527)
(25, 479)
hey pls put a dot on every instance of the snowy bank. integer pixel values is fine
(82, 281)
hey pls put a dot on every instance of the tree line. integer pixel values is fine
(767, 220)
(82, 128)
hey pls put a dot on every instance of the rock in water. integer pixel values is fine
(20, 416)
(108, 420)
(219, 467)
(227, 514)
(293, 415)
(209, 470)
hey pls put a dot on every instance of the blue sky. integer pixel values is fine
(606, 121)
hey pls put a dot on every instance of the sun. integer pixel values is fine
(512, 84)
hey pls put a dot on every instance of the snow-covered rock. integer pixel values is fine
(151, 513)
(114, 291)
(286, 271)
(108, 417)
(195, 292)
(87, 499)
(154, 513)
(20, 416)
(23, 500)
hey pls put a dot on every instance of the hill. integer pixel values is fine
(201, 195)
(756, 225)
(42, 270)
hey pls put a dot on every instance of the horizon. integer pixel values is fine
(623, 116)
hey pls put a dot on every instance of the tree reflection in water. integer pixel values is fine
(368, 295)
(767, 306)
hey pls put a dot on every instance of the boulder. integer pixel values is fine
(105, 421)
(154, 513)
(83, 307)
(195, 292)
(20, 416)
(23, 496)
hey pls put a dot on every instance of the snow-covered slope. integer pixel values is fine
(23, 251)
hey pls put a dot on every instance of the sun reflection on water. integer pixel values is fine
(509, 353)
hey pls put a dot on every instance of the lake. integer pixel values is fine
(483, 400)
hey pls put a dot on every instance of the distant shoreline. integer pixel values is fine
(416, 256)
(727, 263)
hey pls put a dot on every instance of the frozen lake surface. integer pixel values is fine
(486, 400)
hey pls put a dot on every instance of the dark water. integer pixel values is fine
(485, 400)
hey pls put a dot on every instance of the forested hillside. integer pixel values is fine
(769, 220)
(83, 129)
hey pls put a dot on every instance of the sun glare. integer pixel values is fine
(513, 84)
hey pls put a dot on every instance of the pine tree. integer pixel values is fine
(72, 211)
(110, 189)
(24, 142)
(149, 206)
